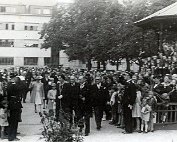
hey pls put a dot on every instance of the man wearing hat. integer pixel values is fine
(128, 99)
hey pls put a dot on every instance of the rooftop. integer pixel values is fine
(169, 12)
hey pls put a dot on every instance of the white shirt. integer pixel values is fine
(99, 85)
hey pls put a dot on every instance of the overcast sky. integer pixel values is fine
(67, 1)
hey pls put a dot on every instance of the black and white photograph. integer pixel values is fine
(88, 70)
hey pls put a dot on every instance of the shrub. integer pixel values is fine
(60, 130)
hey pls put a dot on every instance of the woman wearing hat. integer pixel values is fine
(37, 94)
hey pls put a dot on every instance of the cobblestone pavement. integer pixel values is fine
(31, 128)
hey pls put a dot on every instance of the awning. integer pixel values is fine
(166, 17)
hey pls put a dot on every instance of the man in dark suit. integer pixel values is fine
(14, 99)
(45, 81)
(60, 85)
(70, 98)
(99, 96)
(85, 105)
(128, 100)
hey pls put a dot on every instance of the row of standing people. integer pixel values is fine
(10, 107)
(81, 95)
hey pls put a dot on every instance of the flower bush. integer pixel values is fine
(60, 130)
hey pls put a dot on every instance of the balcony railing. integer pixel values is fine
(166, 114)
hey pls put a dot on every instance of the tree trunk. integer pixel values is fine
(54, 57)
(104, 65)
(128, 64)
(89, 65)
(140, 64)
(98, 65)
(117, 65)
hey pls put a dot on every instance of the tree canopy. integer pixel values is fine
(102, 30)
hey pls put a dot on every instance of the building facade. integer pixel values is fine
(20, 24)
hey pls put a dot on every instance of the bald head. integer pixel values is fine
(72, 79)
(81, 79)
(98, 80)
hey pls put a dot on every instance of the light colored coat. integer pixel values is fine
(34, 90)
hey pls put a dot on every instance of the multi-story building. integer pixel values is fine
(20, 24)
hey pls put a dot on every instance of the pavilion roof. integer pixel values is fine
(169, 12)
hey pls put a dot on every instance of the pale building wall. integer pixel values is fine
(41, 61)
(24, 52)
(22, 14)
(19, 34)
(24, 18)
(18, 61)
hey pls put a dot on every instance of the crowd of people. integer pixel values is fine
(127, 99)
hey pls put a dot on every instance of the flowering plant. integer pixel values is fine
(59, 130)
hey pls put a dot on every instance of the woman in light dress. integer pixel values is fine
(37, 94)
(136, 111)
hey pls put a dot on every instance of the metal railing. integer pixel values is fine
(166, 114)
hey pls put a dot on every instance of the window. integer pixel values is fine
(6, 60)
(26, 28)
(10, 9)
(30, 60)
(13, 27)
(2, 9)
(31, 45)
(6, 43)
(31, 28)
(35, 45)
(46, 11)
(46, 61)
(7, 26)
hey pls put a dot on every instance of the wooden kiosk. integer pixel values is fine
(162, 21)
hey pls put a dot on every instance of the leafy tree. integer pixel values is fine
(86, 17)
(103, 30)
(52, 34)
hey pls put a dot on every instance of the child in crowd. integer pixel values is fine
(120, 123)
(114, 104)
(145, 114)
(3, 116)
(152, 101)
(52, 97)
